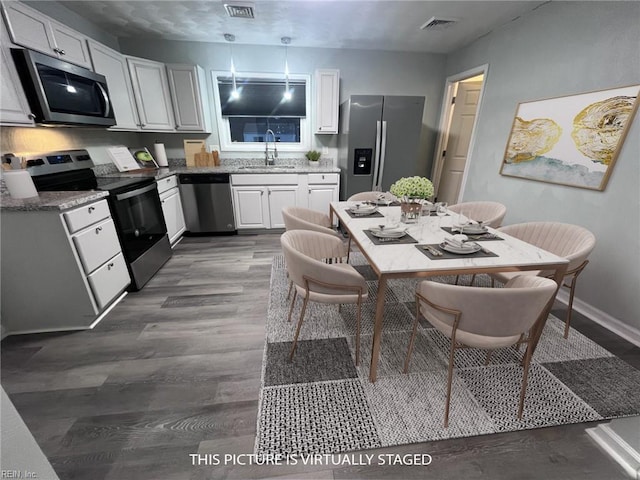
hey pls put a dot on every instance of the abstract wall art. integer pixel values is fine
(572, 140)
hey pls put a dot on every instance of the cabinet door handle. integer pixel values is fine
(261, 192)
(31, 116)
(110, 266)
(98, 230)
(91, 209)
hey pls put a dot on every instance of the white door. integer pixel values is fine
(113, 66)
(280, 197)
(250, 207)
(457, 148)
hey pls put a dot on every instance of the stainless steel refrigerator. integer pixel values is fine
(379, 141)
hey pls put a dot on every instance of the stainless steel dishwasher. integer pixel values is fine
(206, 201)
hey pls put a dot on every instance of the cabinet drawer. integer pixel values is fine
(109, 280)
(84, 216)
(96, 245)
(322, 178)
(167, 183)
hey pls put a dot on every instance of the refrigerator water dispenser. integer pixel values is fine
(362, 161)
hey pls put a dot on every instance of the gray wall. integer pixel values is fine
(565, 48)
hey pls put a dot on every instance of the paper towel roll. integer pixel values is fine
(19, 183)
(160, 154)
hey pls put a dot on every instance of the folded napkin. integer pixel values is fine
(458, 241)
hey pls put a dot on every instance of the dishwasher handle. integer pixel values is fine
(202, 178)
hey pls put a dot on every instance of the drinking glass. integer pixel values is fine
(441, 211)
(463, 221)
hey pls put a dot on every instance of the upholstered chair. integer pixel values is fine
(572, 242)
(370, 196)
(300, 218)
(306, 253)
(490, 214)
(484, 318)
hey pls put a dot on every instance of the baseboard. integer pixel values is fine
(617, 448)
(607, 321)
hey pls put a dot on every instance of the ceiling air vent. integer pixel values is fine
(438, 23)
(239, 10)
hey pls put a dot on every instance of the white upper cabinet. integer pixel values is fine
(151, 91)
(327, 98)
(14, 108)
(187, 84)
(36, 31)
(113, 66)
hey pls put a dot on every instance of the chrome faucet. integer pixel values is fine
(270, 160)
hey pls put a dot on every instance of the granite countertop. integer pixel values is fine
(66, 200)
(164, 172)
(50, 201)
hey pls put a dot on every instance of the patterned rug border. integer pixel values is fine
(482, 402)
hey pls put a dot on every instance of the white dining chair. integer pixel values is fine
(371, 197)
(572, 242)
(490, 214)
(484, 318)
(314, 279)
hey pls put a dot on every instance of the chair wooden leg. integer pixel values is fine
(493, 282)
(290, 288)
(457, 278)
(293, 302)
(295, 338)
(525, 376)
(488, 357)
(473, 278)
(358, 318)
(452, 354)
(567, 320)
(348, 248)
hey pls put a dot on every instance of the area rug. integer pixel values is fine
(321, 403)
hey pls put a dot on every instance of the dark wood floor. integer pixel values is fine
(175, 370)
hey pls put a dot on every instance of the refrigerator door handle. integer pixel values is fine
(383, 151)
(376, 157)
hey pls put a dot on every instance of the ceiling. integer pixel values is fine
(360, 24)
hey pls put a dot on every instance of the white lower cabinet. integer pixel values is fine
(250, 207)
(259, 198)
(73, 266)
(279, 197)
(172, 208)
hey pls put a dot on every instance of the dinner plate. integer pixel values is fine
(387, 233)
(364, 209)
(471, 248)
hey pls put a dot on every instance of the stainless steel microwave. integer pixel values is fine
(60, 93)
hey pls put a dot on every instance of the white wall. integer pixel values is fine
(565, 48)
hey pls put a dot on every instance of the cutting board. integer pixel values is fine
(204, 158)
(191, 148)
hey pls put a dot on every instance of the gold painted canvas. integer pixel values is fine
(572, 140)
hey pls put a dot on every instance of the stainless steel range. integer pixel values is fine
(134, 204)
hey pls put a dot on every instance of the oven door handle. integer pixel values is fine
(137, 191)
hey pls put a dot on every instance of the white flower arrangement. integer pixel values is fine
(412, 187)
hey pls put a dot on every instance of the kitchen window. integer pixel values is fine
(260, 106)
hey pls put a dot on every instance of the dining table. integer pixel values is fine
(410, 256)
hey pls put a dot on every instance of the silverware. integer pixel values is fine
(388, 240)
(432, 251)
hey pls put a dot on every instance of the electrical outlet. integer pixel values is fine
(325, 150)
(213, 148)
